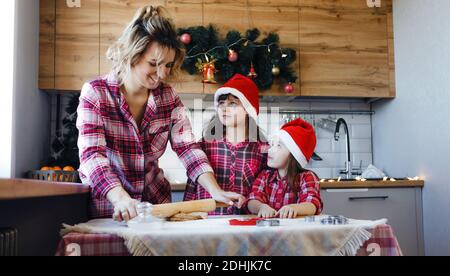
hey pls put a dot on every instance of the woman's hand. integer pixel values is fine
(209, 182)
(265, 211)
(125, 210)
(124, 205)
(288, 212)
(229, 198)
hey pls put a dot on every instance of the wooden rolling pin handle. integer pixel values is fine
(222, 205)
(170, 209)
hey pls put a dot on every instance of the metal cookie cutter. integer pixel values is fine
(334, 220)
(310, 219)
(267, 223)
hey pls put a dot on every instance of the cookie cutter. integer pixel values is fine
(334, 220)
(310, 219)
(268, 223)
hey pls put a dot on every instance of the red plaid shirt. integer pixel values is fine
(236, 168)
(114, 151)
(269, 188)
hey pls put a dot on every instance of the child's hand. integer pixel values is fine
(265, 211)
(288, 212)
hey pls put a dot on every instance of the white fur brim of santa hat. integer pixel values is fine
(300, 139)
(293, 148)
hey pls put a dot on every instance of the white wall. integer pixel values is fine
(31, 109)
(411, 134)
(7, 19)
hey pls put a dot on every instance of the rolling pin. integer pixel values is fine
(171, 209)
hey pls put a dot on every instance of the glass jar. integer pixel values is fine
(144, 211)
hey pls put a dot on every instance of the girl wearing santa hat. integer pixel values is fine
(233, 143)
(288, 190)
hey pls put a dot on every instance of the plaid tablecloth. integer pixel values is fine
(382, 243)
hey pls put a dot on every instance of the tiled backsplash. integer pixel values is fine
(332, 152)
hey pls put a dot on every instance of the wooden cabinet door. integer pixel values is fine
(343, 49)
(47, 44)
(77, 44)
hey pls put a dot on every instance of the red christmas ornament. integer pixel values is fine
(233, 56)
(289, 88)
(186, 38)
(252, 73)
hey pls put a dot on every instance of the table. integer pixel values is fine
(382, 243)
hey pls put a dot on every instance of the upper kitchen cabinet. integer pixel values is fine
(76, 44)
(47, 44)
(346, 49)
(69, 41)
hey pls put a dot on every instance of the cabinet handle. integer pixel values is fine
(368, 198)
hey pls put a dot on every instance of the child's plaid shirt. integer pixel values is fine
(235, 167)
(269, 188)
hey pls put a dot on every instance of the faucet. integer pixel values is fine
(348, 163)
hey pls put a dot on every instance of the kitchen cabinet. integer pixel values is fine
(401, 206)
(47, 44)
(69, 42)
(345, 49)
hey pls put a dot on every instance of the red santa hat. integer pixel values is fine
(300, 139)
(245, 90)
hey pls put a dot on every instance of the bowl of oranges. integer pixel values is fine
(55, 174)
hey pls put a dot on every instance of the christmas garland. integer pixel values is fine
(219, 59)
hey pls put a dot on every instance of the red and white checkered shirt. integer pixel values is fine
(269, 188)
(114, 151)
(236, 168)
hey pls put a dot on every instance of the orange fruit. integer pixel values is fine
(57, 168)
(45, 168)
(68, 169)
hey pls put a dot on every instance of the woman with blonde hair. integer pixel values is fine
(126, 118)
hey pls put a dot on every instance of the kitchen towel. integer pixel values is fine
(215, 237)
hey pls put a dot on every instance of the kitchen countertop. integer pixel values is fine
(11, 189)
(372, 184)
(349, 184)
